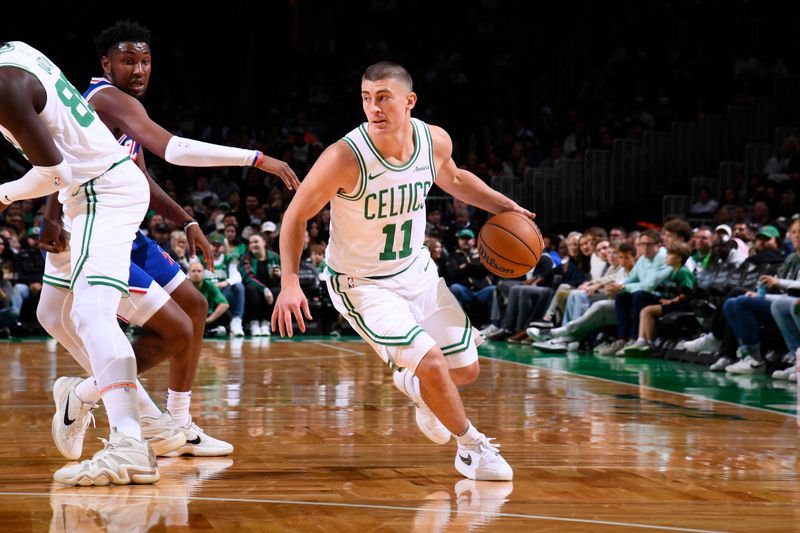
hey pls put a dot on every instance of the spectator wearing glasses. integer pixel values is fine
(635, 292)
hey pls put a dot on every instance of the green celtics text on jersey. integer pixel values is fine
(378, 229)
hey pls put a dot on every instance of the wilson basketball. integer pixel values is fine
(510, 244)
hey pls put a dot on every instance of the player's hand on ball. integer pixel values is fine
(280, 169)
(291, 302)
(522, 211)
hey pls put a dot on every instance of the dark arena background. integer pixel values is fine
(642, 377)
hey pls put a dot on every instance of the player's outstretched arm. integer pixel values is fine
(465, 185)
(162, 203)
(335, 170)
(130, 116)
(22, 97)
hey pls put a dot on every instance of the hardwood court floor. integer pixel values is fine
(325, 443)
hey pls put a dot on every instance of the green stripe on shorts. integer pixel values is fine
(462, 344)
(56, 282)
(111, 282)
(88, 226)
(386, 340)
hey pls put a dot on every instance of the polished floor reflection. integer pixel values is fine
(325, 443)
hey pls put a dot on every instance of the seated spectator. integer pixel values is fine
(745, 233)
(521, 302)
(434, 226)
(471, 281)
(720, 340)
(260, 269)
(702, 244)
(552, 242)
(8, 310)
(617, 235)
(317, 257)
(179, 249)
(576, 271)
(600, 314)
(599, 260)
(229, 281)
(635, 292)
(746, 313)
(728, 249)
(233, 243)
(218, 316)
(591, 291)
(439, 256)
(705, 206)
(673, 296)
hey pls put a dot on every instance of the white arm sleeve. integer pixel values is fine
(191, 153)
(37, 182)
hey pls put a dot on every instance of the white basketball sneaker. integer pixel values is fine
(71, 419)
(236, 327)
(123, 460)
(162, 433)
(480, 459)
(255, 328)
(430, 426)
(201, 445)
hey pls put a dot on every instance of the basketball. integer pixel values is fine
(510, 244)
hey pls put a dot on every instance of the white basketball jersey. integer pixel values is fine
(87, 145)
(378, 229)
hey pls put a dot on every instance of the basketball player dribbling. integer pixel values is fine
(380, 275)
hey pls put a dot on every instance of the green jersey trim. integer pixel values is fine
(362, 174)
(365, 133)
(429, 138)
(17, 65)
(386, 340)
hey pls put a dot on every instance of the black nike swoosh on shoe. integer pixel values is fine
(195, 440)
(466, 460)
(67, 421)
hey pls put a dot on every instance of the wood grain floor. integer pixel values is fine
(325, 443)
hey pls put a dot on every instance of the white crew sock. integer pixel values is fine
(469, 435)
(178, 406)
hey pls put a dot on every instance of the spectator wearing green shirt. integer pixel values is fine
(236, 248)
(219, 318)
(260, 269)
(674, 295)
(228, 280)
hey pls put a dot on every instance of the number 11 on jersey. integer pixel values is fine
(390, 230)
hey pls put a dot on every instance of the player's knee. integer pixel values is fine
(465, 375)
(432, 367)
